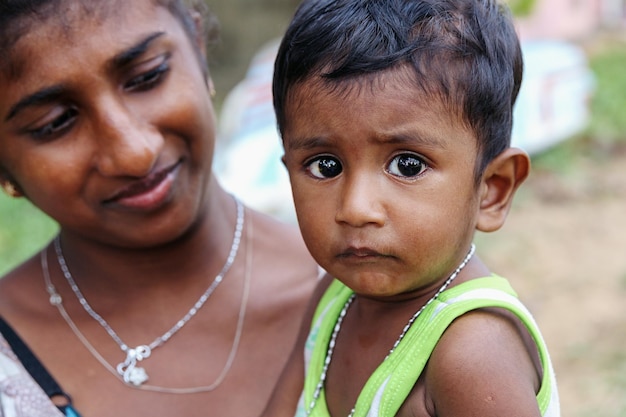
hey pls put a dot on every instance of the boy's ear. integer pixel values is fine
(498, 185)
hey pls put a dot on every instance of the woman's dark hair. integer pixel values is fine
(463, 52)
(17, 16)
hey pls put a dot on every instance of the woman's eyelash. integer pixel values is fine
(148, 79)
(56, 126)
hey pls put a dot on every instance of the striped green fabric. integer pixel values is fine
(388, 387)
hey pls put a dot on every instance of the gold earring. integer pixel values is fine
(210, 85)
(10, 189)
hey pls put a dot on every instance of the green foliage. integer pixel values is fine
(607, 127)
(608, 105)
(521, 8)
(560, 159)
(23, 231)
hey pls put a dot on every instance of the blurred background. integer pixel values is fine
(564, 245)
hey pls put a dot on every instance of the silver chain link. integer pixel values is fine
(127, 369)
(342, 314)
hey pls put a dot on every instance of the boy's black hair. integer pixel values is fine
(463, 52)
(17, 16)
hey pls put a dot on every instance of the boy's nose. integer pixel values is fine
(361, 203)
(127, 145)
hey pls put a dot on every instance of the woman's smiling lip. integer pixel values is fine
(148, 193)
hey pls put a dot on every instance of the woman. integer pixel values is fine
(161, 295)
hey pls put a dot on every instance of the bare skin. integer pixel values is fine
(124, 166)
(199, 351)
(394, 238)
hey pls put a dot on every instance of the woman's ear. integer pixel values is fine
(198, 22)
(9, 186)
(500, 180)
(211, 86)
(200, 45)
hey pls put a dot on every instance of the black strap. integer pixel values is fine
(30, 362)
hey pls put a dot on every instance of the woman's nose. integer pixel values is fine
(361, 203)
(127, 144)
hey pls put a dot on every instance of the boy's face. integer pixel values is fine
(107, 125)
(383, 183)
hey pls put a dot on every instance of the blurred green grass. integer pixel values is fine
(24, 229)
(606, 131)
(608, 62)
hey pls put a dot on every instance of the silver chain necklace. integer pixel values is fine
(128, 371)
(342, 314)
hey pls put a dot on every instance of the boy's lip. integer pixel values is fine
(149, 192)
(360, 253)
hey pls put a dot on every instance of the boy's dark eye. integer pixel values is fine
(57, 126)
(148, 79)
(324, 167)
(406, 165)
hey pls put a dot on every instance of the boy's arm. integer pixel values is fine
(284, 399)
(484, 365)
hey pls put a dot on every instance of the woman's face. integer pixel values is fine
(106, 124)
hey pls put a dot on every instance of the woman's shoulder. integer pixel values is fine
(280, 240)
(23, 287)
(281, 259)
(264, 222)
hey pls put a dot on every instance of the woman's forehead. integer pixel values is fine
(71, 24)
(61, 14)
(52, 56)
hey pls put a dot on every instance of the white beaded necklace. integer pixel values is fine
(342, 314)
(128, 371)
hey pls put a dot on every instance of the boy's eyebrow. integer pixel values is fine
(42, 96)
(423, 140)
(305, 143)
(51, 93)
(315, 142)
(135, 51)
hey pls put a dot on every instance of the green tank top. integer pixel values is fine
(388, 387)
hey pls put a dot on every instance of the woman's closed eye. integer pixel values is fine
(148, 79)
(57, 126)
(407, 165)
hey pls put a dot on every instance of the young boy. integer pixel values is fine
(396, 119)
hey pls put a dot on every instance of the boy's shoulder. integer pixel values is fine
(485, 354)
